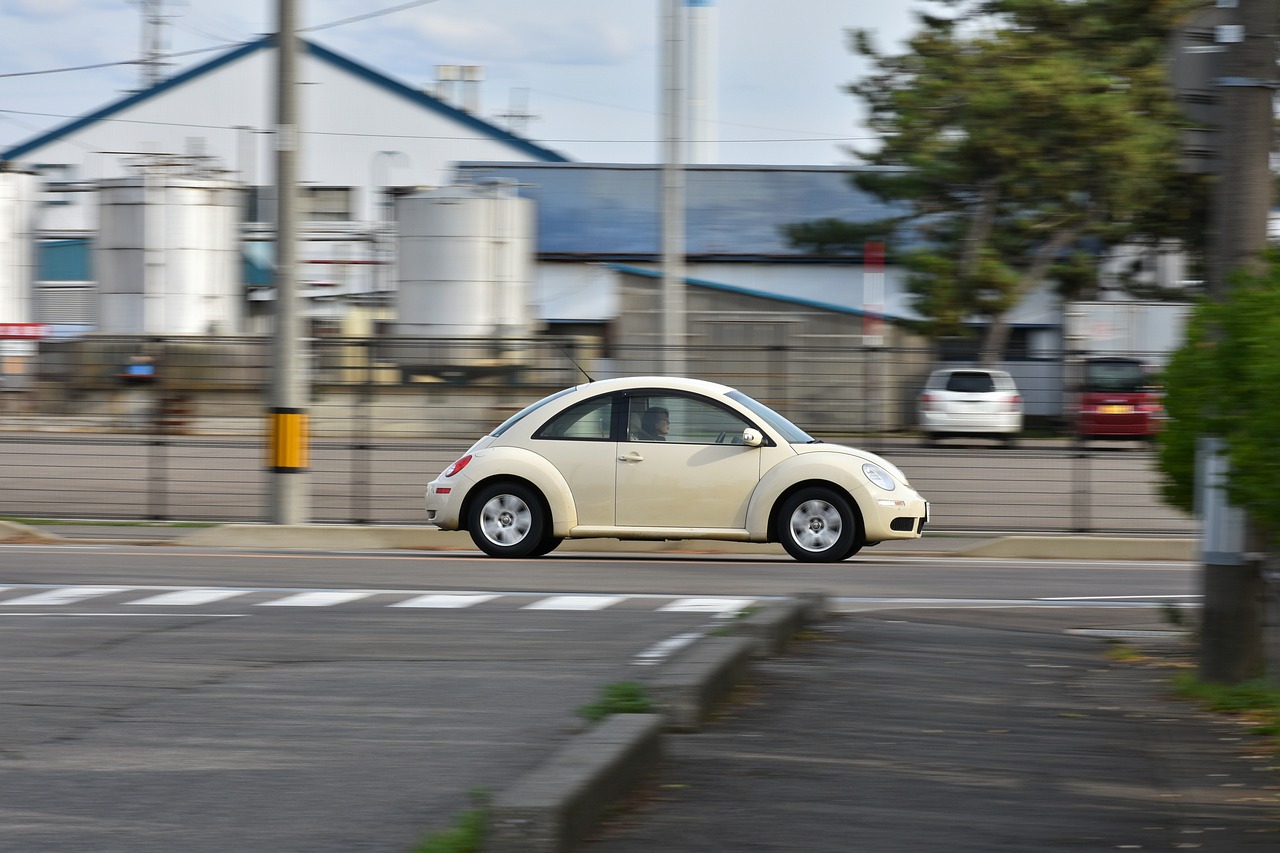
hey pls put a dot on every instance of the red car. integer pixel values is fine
(1118, 400)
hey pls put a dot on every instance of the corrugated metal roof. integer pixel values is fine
(613, 211)
(789, 299)
(414, 96)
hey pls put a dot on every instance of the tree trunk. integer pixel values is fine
(996, 339)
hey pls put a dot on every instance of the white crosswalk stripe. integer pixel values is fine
(721, 606)
(575, 602)
(65, 595)
(444, 600)
(167, 596)
(189, 597)
(317, 599)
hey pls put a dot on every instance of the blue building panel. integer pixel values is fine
(614, 210)
(64, 260)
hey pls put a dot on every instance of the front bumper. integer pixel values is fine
(896, 517)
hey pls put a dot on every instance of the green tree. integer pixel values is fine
(1024, 130)
(1222, 382)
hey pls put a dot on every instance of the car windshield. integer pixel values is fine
(1123, 377)
(792, 433)
(511, 421)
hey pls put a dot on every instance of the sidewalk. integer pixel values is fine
(378, 537)
(979, 731)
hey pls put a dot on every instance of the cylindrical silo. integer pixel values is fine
(17, 258)
(466, 260)
(167, 256)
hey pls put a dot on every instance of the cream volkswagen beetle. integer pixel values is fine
(669, 458)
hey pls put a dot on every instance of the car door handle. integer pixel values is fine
(631, 457)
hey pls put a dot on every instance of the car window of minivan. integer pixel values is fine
(971, 383)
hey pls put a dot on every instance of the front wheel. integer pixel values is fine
(508, 520)
(817, 525)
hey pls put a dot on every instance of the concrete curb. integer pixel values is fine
(1086, 548)
(554, 806)
(19, 534)
(690, 685)
(551, 808)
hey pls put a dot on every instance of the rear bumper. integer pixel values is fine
(971, 424)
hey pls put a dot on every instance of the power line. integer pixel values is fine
(358, 134)
(579, 141)
(223, 46)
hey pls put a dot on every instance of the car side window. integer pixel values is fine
(589, 421)
(681, 420)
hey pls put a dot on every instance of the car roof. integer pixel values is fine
(946, 370)
(675, 383)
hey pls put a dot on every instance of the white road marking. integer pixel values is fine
(64, 595)
(326, 598)
(719, 606)
(659, 652)
(189, 597)
(575, 602)
(444, 600)
(74, 615)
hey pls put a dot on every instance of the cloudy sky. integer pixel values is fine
(587, 70)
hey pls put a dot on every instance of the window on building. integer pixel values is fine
(326, 204)
(57, 178)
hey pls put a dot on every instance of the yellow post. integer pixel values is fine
(288, 440)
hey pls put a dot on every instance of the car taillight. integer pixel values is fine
(926, 401)
(457, 466)
(1015, 402)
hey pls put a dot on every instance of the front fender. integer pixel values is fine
(834, 468)
(499, 463)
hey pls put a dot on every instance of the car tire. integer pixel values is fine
(817, 525)
(546, 546)
(508, 520)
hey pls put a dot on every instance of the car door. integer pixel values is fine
(579, 442)
(696, 475)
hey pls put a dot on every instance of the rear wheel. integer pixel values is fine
(817, 525)
(508, 520)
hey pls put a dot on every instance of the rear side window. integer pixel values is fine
(532, 407)
(971, 382)
(589, 421)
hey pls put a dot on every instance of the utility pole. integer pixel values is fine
(673, 236)
(1232, 644)
(288, 415)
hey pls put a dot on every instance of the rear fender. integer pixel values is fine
(513, 463)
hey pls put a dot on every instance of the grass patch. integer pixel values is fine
(621, 697)
(1257, 700)
(467, 833)
(1123, 653)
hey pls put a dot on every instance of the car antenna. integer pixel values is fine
(575, 363)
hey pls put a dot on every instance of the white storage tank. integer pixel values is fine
(167, 256)
(17, 255)
(465, 261)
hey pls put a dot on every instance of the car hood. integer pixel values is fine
(861, 455)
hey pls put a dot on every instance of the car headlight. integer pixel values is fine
(877, 475)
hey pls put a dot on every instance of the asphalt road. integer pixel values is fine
(1040, 486)
(154, 699)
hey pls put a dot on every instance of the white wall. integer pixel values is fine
(347, 121)
(17, 263)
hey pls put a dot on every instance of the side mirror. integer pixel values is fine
(752, 437)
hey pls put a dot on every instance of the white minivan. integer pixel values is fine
(970, 401)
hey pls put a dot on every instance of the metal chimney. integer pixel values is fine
(701, 64)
